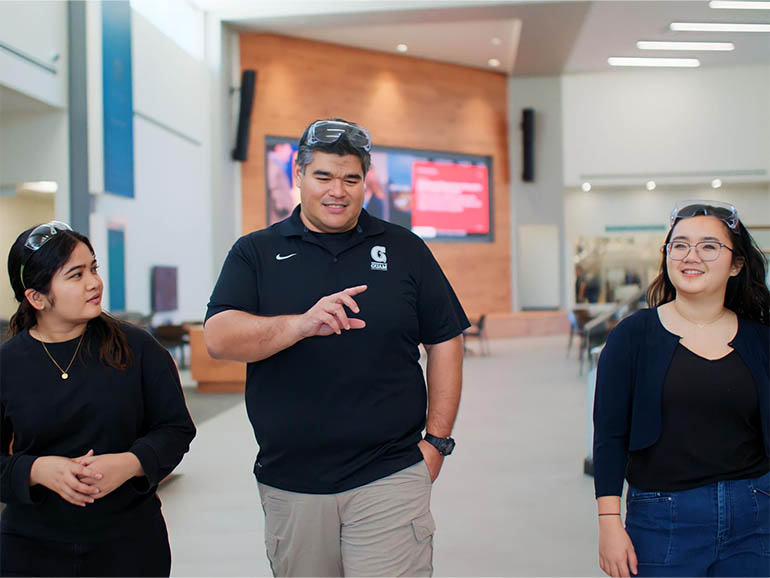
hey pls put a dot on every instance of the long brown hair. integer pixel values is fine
(747, 294)
(39, 268)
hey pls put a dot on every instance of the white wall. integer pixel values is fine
(178, 20)
(169, 84)
(168, 222)
(588, 214)
(649, 123)
(540, 202)
(34, 147)
(223, 64)
(539, 266)
(38, 30)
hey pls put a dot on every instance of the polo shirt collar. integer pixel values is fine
(293, 226)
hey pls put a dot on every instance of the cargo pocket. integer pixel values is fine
(423, 527)
(650, 525)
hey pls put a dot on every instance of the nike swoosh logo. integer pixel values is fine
(280, 257)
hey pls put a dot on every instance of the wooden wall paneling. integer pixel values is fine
(404, 102)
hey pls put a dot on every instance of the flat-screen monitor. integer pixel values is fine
(438, 195)
(164, 294)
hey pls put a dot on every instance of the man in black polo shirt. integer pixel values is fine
(328, 307)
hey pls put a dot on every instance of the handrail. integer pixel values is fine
(29, 58)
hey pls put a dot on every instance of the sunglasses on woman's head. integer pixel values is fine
(725, 212)
(38, 237)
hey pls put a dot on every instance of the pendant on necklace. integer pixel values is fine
(65, 375)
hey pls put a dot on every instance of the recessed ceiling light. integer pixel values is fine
(718, 27)
(651, 186)
(656, 45)
(735, 5)
(496, 41)
(493, 62)
(716, 183)
(586, 187)
(664, 62)
(402, 48)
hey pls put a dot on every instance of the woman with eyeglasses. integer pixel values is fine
(92, 416)
(681, 410)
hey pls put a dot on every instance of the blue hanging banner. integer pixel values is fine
(117, 98)
(116, 253)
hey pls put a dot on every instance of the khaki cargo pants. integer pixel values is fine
(384, 528)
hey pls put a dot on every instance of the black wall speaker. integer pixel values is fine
(528, 144)
(248, 81)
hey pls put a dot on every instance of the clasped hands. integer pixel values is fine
(82, 480)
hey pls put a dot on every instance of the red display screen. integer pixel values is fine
(437, 195)
(450, 199)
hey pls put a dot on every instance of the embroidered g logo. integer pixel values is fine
(378, 254)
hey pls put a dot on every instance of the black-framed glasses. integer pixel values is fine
(38, 237)
(328, 131)
(706, 250)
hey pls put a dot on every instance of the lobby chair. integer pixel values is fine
(477, 331)
(173, 338)
(142, 320)
(577, 320)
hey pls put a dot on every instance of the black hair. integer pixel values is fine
(747, 294)
(39, 269)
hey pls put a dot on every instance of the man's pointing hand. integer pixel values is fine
(328, 315)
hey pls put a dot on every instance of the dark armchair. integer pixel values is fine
(477, 331)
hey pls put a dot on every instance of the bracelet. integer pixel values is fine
(611, 514)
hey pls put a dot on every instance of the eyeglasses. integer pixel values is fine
(706, 250)
(725, 212)
(329, 131)
(39, 236)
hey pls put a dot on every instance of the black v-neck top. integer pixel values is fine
(711, 427)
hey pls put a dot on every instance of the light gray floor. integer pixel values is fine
(511, 501)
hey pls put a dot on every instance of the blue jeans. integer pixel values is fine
(721, 529)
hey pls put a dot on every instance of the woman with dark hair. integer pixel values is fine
(682, 410)
(92, 416)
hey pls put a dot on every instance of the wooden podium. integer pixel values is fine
(213, 375)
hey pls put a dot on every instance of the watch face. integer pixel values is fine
(443, 445)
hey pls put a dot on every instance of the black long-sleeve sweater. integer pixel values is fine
(140, 409)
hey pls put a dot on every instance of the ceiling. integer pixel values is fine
(535, 38)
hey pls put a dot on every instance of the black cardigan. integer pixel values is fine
(629, 385)
(141, 410)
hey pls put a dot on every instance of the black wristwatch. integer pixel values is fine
(443, 445)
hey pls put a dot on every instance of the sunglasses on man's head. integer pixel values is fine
(329, 131)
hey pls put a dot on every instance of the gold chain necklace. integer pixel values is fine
(700, 325)
(64, 372)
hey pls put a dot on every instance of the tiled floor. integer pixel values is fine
(511, 501)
